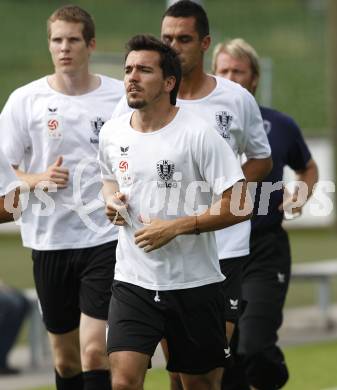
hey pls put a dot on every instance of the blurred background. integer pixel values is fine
(294, 39)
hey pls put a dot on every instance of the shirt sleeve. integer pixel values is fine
(105, 161)
(7, 176)
(121, 108)
(14, 130)
(298, 152)
(218, 164)
(256, 140)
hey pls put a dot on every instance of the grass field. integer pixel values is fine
(289, 32)
(312, 367)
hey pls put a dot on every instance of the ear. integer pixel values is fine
(170, 83)
(205, 43)
(92, 44)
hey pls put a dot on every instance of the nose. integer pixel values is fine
(231, 76)
(133, 75)
(65, 45)
(174, 45)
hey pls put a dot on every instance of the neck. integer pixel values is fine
(196, 84)
(74, 84)
(151, 119)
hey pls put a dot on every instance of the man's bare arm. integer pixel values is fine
(157, 232)
(308, 177)
(56, 173)
(5, 214)
(256, 170)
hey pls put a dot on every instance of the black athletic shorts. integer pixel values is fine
(191, 320)
(266, 277)
(232, 269)
(74, 281)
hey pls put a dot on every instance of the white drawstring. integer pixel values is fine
(157, 297)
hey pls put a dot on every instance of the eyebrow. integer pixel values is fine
(139, 67)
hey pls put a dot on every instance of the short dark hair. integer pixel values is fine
(74, 14)
(188, 8)
(169, 60)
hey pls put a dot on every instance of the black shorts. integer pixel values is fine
(266, 277)
(232, 269)
(74, 281)
(191, 320)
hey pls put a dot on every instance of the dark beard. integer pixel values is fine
(136, 104)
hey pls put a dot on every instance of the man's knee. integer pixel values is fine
(267, 369)
(94, 357)
(67, 369)
(66, 355)
(126, 382)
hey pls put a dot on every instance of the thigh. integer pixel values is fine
(96, 267)
(195, 329)
(136, 320)
(232, 289)
(58, 288)
(269, 259)
(264, 289)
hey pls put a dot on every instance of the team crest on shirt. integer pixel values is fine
(165, 170)
(267, 126)
(224, 120)
(96, 126)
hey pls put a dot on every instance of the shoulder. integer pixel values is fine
(195, 125)
(112, 83)
(230, 87)
(236, 96)
(114, 126)
(279, 118)
(30, 89)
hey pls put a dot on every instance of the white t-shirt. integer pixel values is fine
(39, 124)
(7, 176)
(167, 174)
(234, 113)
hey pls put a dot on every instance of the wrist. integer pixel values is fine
(187, 225)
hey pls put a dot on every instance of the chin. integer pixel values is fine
(136, 103)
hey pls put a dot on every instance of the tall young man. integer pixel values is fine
(260, 362)
(159, 178)
(52, 127)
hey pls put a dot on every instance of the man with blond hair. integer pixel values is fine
(259, 362)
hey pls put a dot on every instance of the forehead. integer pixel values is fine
(178, 26)
(226, 60)
(61, 27)
(149, 58)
